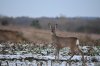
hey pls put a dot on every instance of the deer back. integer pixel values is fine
(61, 42)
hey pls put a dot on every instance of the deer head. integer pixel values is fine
(53, 28)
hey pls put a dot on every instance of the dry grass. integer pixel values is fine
(45, 35)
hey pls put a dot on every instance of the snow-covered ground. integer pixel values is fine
(46, 60)
(43, 63)
(34, 55)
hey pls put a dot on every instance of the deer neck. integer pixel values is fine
(54, 36)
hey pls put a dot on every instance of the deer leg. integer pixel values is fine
(90, 51)
(69, 60)
(57, 55)
(71, 56)
(83, 64)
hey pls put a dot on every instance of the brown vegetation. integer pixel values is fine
(40, 35)
(9, 35)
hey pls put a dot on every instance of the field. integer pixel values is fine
(33, 34)
(38, 50)
(34, 54)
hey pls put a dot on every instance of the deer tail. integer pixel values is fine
(77, 42)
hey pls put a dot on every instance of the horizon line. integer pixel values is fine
(63, 16)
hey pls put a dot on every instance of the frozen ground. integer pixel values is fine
(34, 55)
(33, 63)
(46, 60)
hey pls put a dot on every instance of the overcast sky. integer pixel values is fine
(50, 8)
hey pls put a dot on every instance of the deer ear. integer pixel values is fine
(56, 26)
(49, 24)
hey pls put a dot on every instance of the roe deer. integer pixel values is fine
(61, 42)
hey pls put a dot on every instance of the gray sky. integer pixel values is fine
(50, 8)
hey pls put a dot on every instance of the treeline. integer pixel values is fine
(76, 24)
